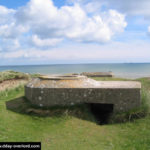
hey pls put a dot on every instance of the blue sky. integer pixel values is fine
(13, 4)
(17, 3)
(74, 31)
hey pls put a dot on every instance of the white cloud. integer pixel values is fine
(9, 44)
(8, 27)
(112, 52)
(5, 14)
(33, 31)
(130, 7)
(92, 7)
(149, 30)
(71, 22)
(11, 30)
(46, 25)
(44, 42)
(133, 8)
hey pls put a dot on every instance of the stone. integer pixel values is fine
(68, 90)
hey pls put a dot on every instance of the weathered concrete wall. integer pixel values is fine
(124, 95)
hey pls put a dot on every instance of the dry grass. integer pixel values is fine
(9, 75)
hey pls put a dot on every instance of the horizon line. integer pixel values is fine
(74, 64)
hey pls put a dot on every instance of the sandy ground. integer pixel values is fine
(11, 84)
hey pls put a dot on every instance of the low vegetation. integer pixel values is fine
(74, 127)
(9, 75)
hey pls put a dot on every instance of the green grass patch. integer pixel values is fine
(110, 79)
(72, 128)
(9, 75)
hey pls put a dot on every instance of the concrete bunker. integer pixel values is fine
(116, 96)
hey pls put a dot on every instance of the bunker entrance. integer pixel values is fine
(101, 112)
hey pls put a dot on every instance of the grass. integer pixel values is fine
(74, 128)
(9, 75)
(109, 79)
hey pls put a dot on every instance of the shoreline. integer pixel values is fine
(115, 75)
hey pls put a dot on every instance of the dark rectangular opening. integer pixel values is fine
(101, 112)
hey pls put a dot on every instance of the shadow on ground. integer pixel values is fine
(99, 114)
(22, 106)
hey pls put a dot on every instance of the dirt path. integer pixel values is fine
(11, 84)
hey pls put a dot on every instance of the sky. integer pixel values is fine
(74, 31)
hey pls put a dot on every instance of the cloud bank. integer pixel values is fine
(41, 24)
(130, 7)
(81, 30)
(81, 53)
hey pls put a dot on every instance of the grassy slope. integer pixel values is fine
(8, 75)
(71, 133)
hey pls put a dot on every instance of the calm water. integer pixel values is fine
(134, 70)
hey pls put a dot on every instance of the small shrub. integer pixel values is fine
(9, 75)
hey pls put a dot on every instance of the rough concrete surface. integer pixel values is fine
(50, 91)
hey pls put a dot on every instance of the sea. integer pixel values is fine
(125, 70)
